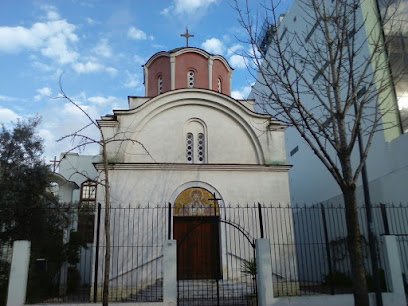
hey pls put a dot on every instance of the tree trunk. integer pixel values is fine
(360, 290)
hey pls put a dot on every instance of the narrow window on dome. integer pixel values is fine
(191, 79)
(160, 84)
(189, 148)
(201, 148)
(219, 88)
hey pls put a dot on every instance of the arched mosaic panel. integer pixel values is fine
(196, 202)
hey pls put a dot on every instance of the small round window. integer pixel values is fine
(160, 84)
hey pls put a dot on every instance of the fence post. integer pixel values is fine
(385, 219)
(98, 225)
(169, 228)
(260, 220)
(326, 240)
(17, 287)
(170, 272)
(394, 271)
(264, 272)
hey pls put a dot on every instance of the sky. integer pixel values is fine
(97, 49)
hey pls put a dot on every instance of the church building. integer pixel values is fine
(189, 144)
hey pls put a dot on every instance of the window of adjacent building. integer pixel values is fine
(283, 33)
(160, 84)
(219, 88)
(86, 212)
(313, 29)
(191, 79)
(88, 192)
(294, 150)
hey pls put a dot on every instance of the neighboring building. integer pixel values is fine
(387, 162)
(76, 183)
(190, 144)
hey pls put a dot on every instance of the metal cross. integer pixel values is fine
(187, 35)
(55, 162)
(215, 206)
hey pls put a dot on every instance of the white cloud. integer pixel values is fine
(234, 49)
(51, 12)
(93, 66)
(103, 49)
(110, 101)
(91, 21)
(111, 71)
(7, 98)
(43, 92)
(138, 34)
(238, 61)
(41, 66)
(139, 60)
(54, 39)
(213, 45)
(188, 8)
(88, 67)
(7, 115)
(242, 93)
(132, 80)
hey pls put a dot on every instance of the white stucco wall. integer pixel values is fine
(155, 131)
(160, 184)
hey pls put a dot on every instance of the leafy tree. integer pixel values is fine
(23, 181)
(328, 77)
(28, 211)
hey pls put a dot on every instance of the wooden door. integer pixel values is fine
(198, 248)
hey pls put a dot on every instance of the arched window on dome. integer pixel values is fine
(219, 85)
(190, 79)
(159, 84)
(195, 141)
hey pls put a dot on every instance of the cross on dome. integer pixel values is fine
(187, 36)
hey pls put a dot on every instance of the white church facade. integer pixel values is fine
(189, 144)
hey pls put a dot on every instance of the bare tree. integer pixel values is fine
(329, 78)
(81, 139)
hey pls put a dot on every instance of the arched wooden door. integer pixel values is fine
(197, 231)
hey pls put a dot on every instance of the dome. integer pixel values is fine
(187, 68)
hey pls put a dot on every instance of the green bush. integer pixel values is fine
(370, 281)
(73, 280)
(338, 279)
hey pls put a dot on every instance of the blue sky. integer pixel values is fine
(98, 48)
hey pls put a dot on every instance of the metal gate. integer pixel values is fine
(215, 262)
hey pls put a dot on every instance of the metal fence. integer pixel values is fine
(322, 256)
(308, 247)
(5, 260)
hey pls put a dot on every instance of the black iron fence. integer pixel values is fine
(308, 249)
(5, 260)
